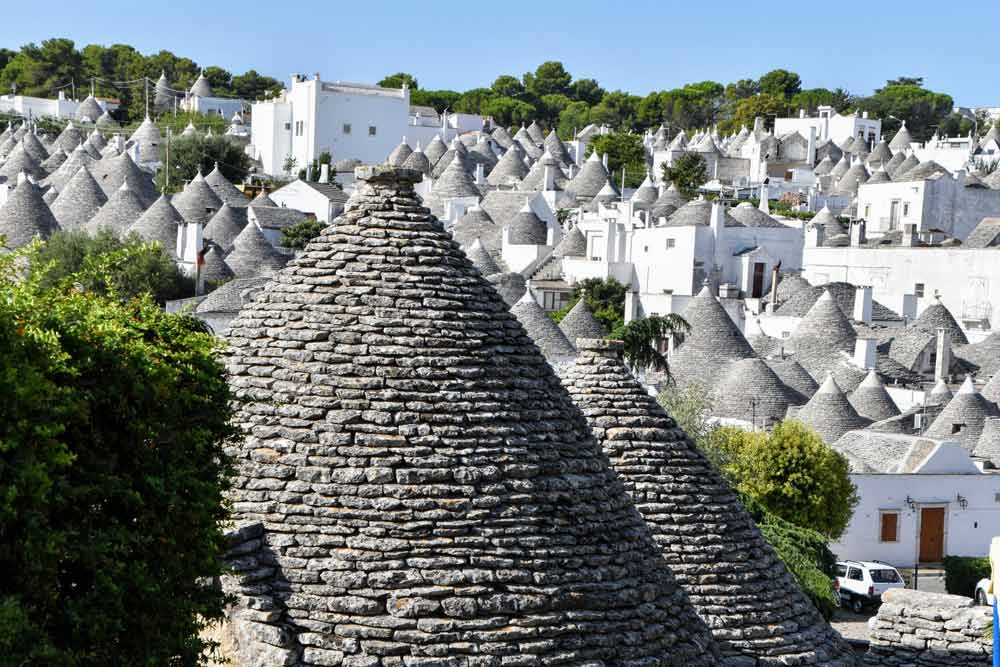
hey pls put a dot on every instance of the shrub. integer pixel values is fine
(301, 233)
(961, 574)
(112, 470)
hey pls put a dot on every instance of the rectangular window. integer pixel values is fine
(906, 209)
(288, 126)
(371, 130)
(854, 574)
(868, 210)
(889, 527)
(671, 243)
(918, 290)
(347, 128)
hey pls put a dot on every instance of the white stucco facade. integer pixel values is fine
(831, 125)
(60, 107)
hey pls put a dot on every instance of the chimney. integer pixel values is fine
(324, 173)
(604, 160)
(758, 124)
(857, 233)
(480, 175)
(864, 114)
(774, 287)
(814, 236)
(864, 353)
(765, 199)
(548, 179)
(316, 76)
(811, 148)
(909, 239)
(863, 304)
(802, 113)
(942, 363)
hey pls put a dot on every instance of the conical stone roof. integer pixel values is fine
(892, 166)
(418, 511)
(417, 160)
(736, 582)
(547, 335)
(526, 228)
(751, 391)
(937, 316)
(502, 137)
(201, 87)
(881, 155)
(557, 149)
(148, 137)
(20, 161)
(991, 392)
(902, 139)
(828, 221)
(911, 162)
(69, 138)
(399, 154)
(111, 173)
(645, 195)
(590, 179)
(940, 394)
(25, 216)
(122, 210)
(988, 445)
(54, 161)
(573, 244)
(159, 223)
(535, 132)
(829, 413)
(794, 376)
(509, 171)
(852, 179)
(224, 189)
(825, 322)
(435, 150)
(456, 180)
(880, 175)
(824, 167)
(841, 168)
(252, 255)
(482, 259)
(669, 201)
(197, 202)
(511, 286)
(34, 147)
(579, 322)
(535, 179)
(214, 269)
(67, 170)
(712, 343)
(79, 201)
(227, 223)
(88, 111)
(476, 223)
(962, 418)
(871, 400)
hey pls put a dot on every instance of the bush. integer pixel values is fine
(961, 574)
(112, 465)
(109, 265)
(301, 233)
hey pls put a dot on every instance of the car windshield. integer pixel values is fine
(885, 576)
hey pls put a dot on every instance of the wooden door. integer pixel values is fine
(931, 534)
(758, 280)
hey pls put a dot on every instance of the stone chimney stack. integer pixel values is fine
(863, 304)
(909, 239)
(864, 353)
(942, 362)
(324, 173)
(857, 234)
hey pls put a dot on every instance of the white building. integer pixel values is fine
(831, 125)
(920, 499)
(36, 107)
(322, 199)
(349, 120)
(199, 99)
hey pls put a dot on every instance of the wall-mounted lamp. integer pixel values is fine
(909, 503)
(962, 502)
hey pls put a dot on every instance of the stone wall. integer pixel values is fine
(917, 628)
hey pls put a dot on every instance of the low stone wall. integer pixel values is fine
(916, 628)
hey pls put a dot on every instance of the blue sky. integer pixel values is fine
(637, 46)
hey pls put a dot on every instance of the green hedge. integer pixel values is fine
(962, 573)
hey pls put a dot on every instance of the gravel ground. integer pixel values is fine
(851, 626)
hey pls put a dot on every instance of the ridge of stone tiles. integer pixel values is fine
(253, 255)
(224, 188)
(871, 400)
(546, 334)
(750, 390)
(159, 223)
(713, 341)
(794, 376)
(417, 160)
(417, 502)
(25, 216)
(79, 201)
(735, 580)
(399, 154)
(482, 259)
(214, 269)
(508, 172)
(120, 212)
(829, 413)
(197, 202)
(435, 150)
(110, 173)
(590, 179)
(967, 410)
(580, 322)
(227, 223)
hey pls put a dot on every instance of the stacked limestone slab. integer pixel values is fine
(415, 487)
(734, 579)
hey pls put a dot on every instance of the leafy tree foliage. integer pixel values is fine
(741, 89)
(472, 101)
(252, 85)
(149, 271)
(746, 110)
(780, 83)
(625, 151)
(190, 154)
(507, 111)
(439, 99)
(906, 98)
(550, 78)
(301, 233)
(812, 99)
(572, 119)
(587, 90)
(398, 79)
(643, 338)
(113, 468)
(688, 173)
(506, 85)
(605, 299)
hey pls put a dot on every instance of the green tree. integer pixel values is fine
(113, 469)
(793, 474)
(586, 90)
(439, 99)
(643, 337)
(616, 109)
(746, 110)
(955, 125)
(572, 119)
(551, 106)
(780, 83)
(220, 80)
(301, 233)
(625, 152)
(150, 270)
(398, 79)
(605, 299)
(741, 90)
(812, 99)
(253, 86)
(190, 154)
(473, 101)
(551, 78)
(922, 109)
(688, 173)
(507, 111)
(43, 70)
(691, 407)
(506, 85)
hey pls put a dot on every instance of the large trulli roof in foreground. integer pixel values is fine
(79, 201)
(963, 417)
(25, 216)
(713, 342)
(829, 413)
(735, 580)
(458, 528)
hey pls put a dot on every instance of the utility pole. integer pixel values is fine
(166, 172)
(145, 88)
(73, 89)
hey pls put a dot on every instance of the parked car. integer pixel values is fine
(982, 596)
(860, 584)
